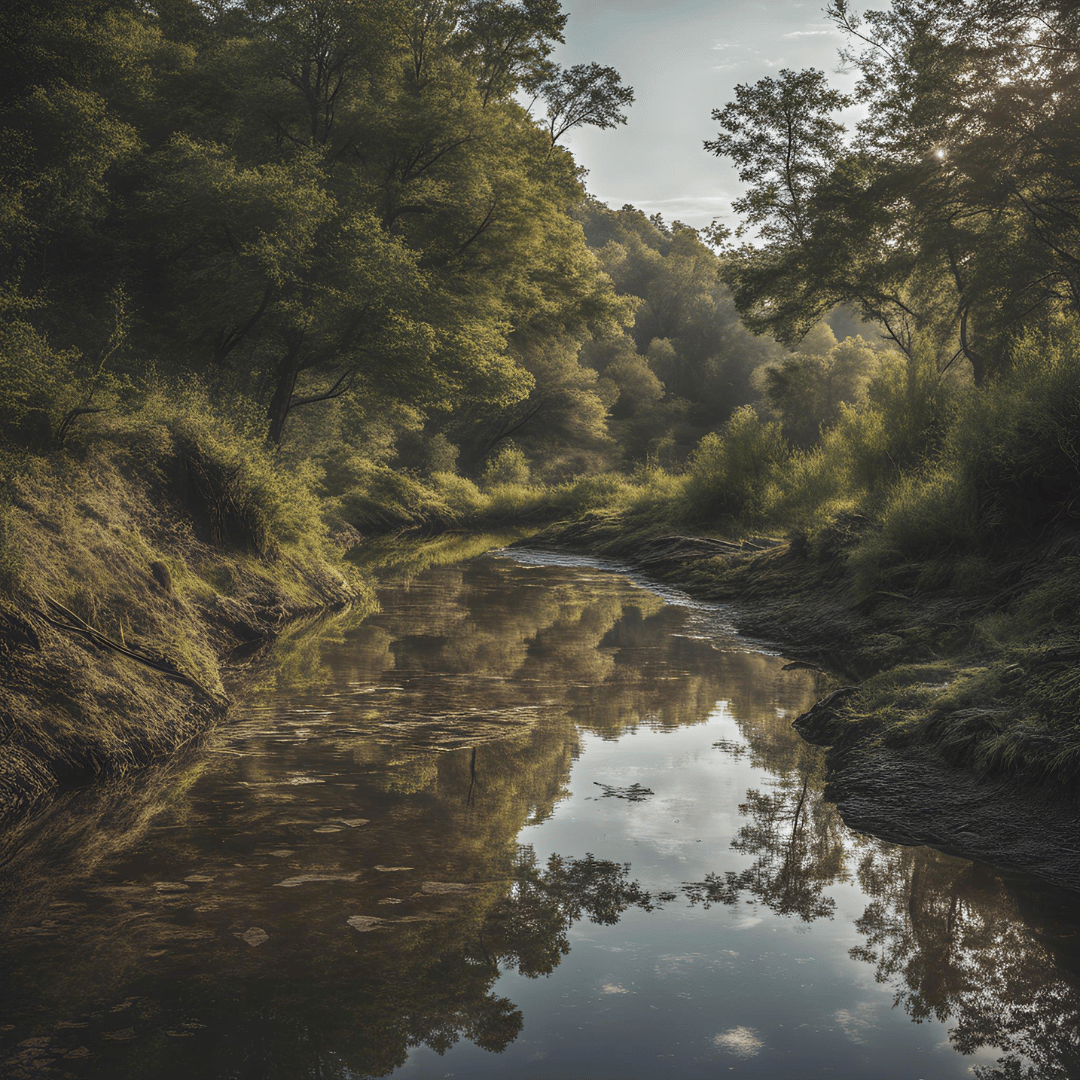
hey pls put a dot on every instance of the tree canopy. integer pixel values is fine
(296, 202)
(949, 211)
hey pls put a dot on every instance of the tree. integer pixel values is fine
(781, 135)
(949, 216)
(685, 328)
(507, 44)
(586, 94)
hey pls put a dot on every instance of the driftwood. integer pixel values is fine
(817, 724)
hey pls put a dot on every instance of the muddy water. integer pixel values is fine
(535, 820)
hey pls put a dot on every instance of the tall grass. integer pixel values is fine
(219, 466)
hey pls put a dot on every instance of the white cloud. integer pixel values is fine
(856, 1022)
(743, 1042)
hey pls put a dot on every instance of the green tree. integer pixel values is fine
(782, 136)
(947, 218)
(585, 94)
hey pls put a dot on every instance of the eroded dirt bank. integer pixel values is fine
(932, 738)
(127, 601)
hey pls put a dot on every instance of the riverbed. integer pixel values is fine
(538, 819)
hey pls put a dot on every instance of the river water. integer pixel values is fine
(537, 820)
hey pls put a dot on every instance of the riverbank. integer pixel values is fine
(127, 596)
(940, 725)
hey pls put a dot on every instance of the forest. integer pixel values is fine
(323, 271)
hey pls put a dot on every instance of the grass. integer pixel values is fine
(117, 535)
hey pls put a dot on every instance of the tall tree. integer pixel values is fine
(782, 136)
(949, 213)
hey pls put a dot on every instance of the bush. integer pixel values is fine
(461, 496)
(813, 487)
(222, 471)
(1018, 444)
(1009, 470)
(508, 465)
(35, 381)
(730, 473)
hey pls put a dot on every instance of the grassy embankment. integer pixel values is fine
(136, 565)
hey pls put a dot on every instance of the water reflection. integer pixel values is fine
(995, 957)
(794, 835)
(338, 879)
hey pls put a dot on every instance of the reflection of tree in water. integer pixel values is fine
(958, 943)
(527, 931)
(434, 989)
(797, 839)
(319, 999)
(954, 942)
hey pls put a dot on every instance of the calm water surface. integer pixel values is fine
(535, 820)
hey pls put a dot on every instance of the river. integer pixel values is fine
(539, 819)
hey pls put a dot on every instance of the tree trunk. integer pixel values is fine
(284, 383)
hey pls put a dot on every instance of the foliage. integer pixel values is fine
(808, 390)
(780, 134)
(686, 362)
(584, 94)
(295, 203)
(949, 213)
(730, 472)
(1008, 472)
(508, 465)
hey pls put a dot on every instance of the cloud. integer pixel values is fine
(809, 33)
(743, 1042)
(856, 1022)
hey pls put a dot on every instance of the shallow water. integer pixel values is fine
(538, 819)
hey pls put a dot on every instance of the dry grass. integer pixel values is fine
(116, 620)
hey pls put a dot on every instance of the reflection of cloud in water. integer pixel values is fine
(857, 1021)
(680, 964)
(743, 1042)
(744, 922)
(613, 988)
(675, 965)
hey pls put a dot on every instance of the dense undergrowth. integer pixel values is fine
(946, 518)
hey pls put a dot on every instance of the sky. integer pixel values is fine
(684, 58)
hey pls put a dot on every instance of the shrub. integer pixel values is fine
(507, 465)
(237, 490)
(812, 488)
(460, 495)
(1008, 472)
(730, 473)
